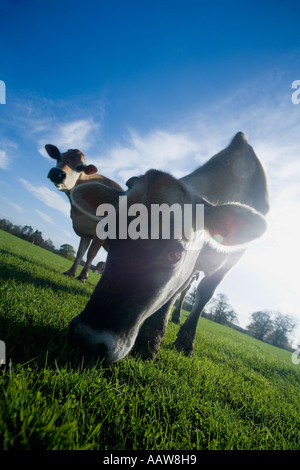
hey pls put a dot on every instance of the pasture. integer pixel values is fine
(234, 393)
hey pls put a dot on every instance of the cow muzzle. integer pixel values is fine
(94, 344)
(56, 175)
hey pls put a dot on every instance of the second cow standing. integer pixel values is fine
(71, 170)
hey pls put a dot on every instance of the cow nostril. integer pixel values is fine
(56, 175)
(101, 351)
(78, 338)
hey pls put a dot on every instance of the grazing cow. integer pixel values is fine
(100, 267)
(71, 171)
(130, 306)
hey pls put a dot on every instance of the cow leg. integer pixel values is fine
(176, 313)
(83, 246)
(93, 250)
(186, 335)
(152, 332)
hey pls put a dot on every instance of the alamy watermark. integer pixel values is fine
(2, 353)
(296, 95)
(296, 357)
(167, 222)
(2, 92)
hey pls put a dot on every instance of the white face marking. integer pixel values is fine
(117, 347)
(69, 182)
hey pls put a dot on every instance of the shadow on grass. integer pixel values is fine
(28, 259)
(47, 264)
(63, 284)
(39, 345)
(28, 339)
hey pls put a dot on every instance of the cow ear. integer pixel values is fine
(90, 169)
(88, 196)
(53, 151)
(234, 223)
(132, 181)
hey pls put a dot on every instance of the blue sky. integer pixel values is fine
(155, 84)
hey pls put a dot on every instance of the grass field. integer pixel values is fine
(235, 393)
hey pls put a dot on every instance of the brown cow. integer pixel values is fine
(130, 306)
(71, 171)
(99, 267)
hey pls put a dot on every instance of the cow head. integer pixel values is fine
(143, 274)
(69, 167)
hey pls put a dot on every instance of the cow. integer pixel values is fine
(130, 306)
(71, 171)
(99, 267)
(177, 311)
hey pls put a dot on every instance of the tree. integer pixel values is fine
(282, 325)
(37, 238)
(190, 299)
(16, 230)
(220, 311)
(261, 324)
(6, 225)
(49, 245)
(67, 251)
(26, 232)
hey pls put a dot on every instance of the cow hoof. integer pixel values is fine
(143, 354)
(175, 320)
(82, 279)
(187, 350)
(67, 273)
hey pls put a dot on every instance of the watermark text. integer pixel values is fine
(158, 221)
(2, 352)
(2, 92)
(296, 94)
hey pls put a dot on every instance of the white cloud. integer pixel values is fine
(14, 205)
(48, 197)
(44, 216)
(159, 149)
(78, 134)
(4, 161)
(67, 234)
(272, 125)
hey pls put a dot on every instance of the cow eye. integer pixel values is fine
(174, 256)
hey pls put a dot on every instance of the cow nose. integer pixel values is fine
(56, 175)
(79, 338)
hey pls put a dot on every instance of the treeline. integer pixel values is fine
(272, 327)
(36, 237)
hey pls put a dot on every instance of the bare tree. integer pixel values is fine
(220, 311)
(261, 324)
(191, 297)
(282, 326)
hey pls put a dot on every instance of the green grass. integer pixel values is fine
(235, 393)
